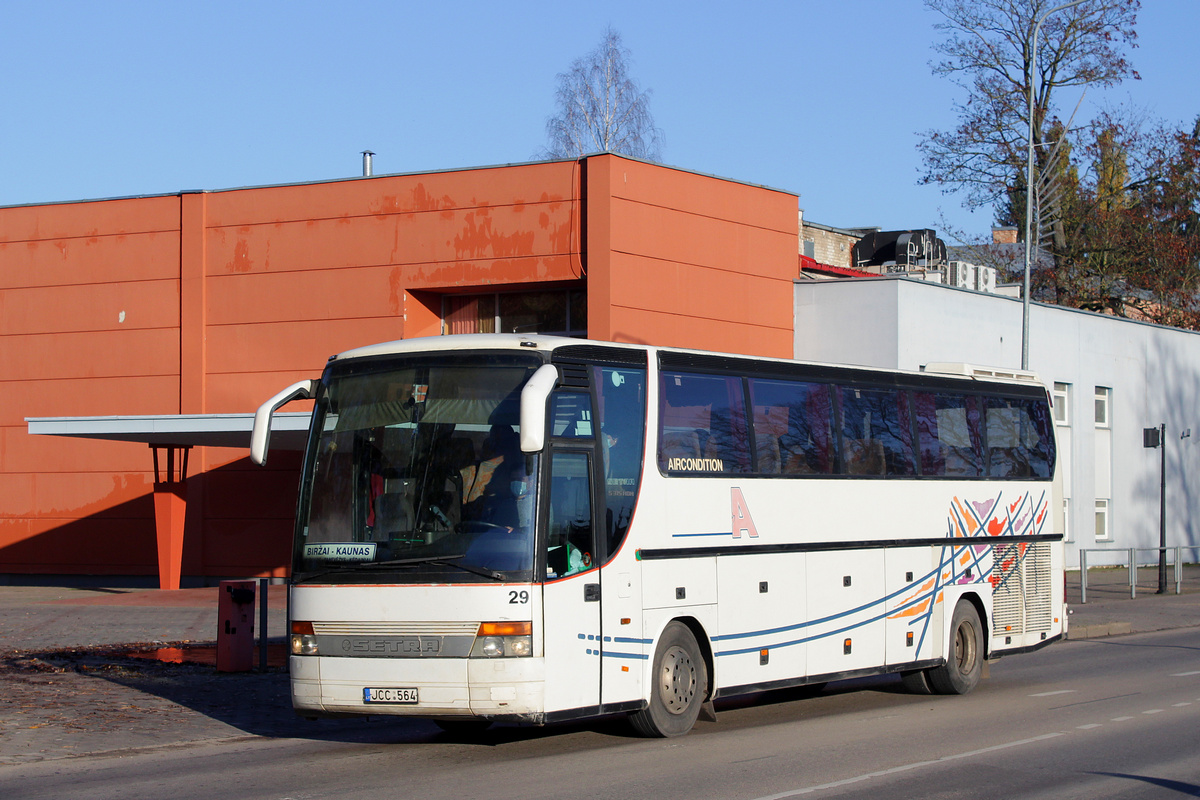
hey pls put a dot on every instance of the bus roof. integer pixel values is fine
(547, 343)
(463, 341)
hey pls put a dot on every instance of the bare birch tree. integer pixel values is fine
(602, 109)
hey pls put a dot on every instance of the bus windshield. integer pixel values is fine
(415, 473)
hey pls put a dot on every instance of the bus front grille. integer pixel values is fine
(373, 628)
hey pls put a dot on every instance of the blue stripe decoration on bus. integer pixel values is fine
(966, 559)
(974, 529)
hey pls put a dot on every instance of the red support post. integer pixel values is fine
(170, 510)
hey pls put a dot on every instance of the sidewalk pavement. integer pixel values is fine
(52, 617)
(1109, 610)
(70, 686)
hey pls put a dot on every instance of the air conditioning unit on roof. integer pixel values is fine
(960, 274)
(985, 279)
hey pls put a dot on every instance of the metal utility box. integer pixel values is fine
(235, 626)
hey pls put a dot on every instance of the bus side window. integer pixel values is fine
(949, 435)
(876, 432)
(571, 415)
(713, 408)
(1043, 453)
(570, 546)
(621, 400)
(792, 427)
(1018, 439)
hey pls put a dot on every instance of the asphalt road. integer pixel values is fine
(1113, 718)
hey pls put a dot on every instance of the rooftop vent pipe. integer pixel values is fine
(367, 167)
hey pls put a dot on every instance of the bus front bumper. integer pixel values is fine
(428, 687)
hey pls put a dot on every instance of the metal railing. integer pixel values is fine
(1131, 554)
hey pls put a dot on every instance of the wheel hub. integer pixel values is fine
(678, 680)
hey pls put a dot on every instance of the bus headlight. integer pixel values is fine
(501, 639)
(304, 642)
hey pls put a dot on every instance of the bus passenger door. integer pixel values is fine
(571, 595)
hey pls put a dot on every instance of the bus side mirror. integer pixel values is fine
(260, 437)
(533, 408)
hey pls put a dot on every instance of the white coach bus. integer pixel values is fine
(532, 528)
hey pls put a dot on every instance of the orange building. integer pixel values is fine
(209, 302)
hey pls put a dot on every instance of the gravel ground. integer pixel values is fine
(86, 700)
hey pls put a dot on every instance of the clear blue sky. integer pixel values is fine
(818, 98)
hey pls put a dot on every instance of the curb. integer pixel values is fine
(1098, 631)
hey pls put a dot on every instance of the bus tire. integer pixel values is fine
(678, 685)
(964, 662)
(916, 682)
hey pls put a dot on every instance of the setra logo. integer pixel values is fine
(393, 646)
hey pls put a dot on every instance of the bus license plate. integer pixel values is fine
(392, 695)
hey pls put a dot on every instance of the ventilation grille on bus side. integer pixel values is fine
(600, 353)
(1021, 597)
(573, 376)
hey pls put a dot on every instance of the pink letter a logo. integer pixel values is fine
(742, 522)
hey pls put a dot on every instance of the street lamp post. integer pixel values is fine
(1029, 186)
(1157, 438)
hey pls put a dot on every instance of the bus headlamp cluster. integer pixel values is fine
(503, 639)
(303, 641)
(493, 640)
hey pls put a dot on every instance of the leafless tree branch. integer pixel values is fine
(602, 109)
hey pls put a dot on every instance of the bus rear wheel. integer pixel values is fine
(679, 685)
(964, 662)
(916, 682)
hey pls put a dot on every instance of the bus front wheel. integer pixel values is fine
(679, 685)
(964, 662)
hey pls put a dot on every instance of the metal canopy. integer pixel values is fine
(289, 430)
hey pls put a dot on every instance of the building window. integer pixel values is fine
(563, 313)
(1062, 403)
(1103, 407)
(1103, 527)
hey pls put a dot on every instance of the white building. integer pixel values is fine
(1111, 378)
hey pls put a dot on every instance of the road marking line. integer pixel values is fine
(1180, 705)
(1153, 711)
(1119, 719)
(1051, 694)
(1185, 674)
(907, 767)
(1088, 727)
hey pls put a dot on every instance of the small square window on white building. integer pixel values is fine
(1103, 527)
(1103, 407)
(1062, 403)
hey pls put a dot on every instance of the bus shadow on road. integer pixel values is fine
(129, 701)
(125, 700)
(118, 700)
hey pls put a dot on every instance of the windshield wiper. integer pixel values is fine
(487, 573)
(395, 562)
(438, 561)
